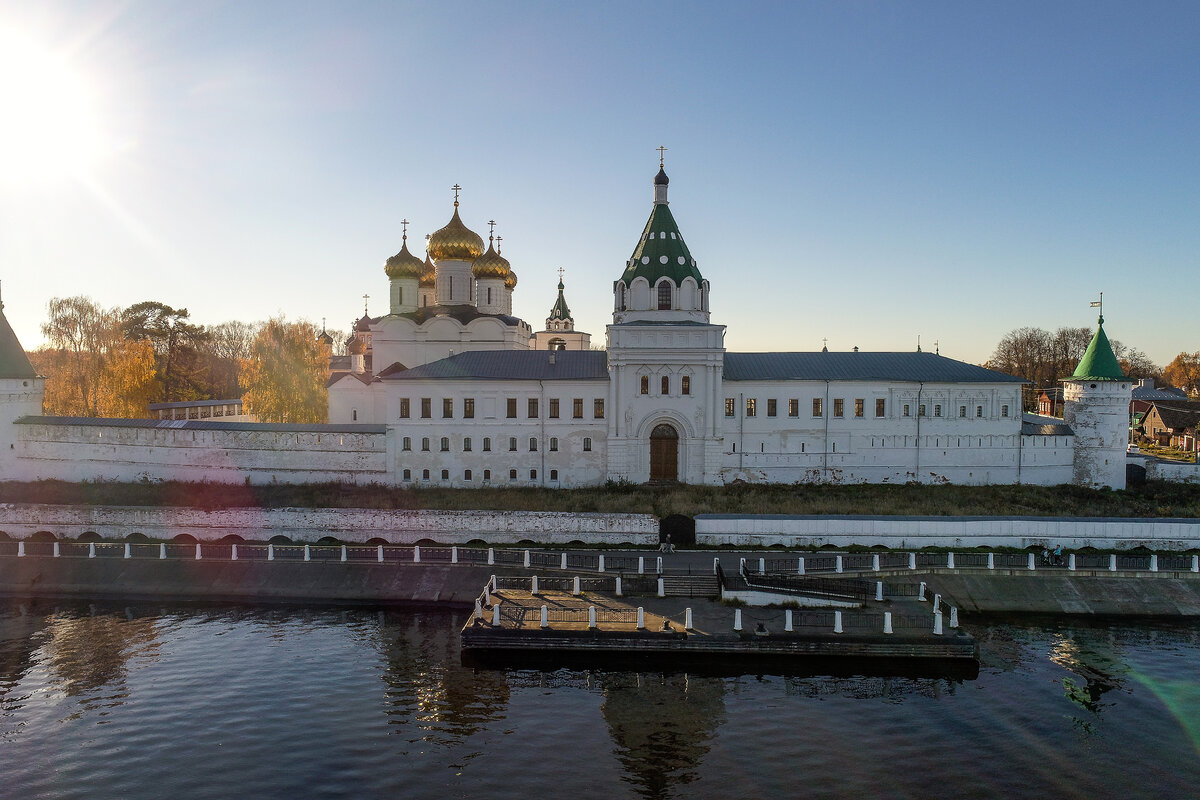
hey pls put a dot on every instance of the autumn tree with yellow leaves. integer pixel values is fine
(285, 374)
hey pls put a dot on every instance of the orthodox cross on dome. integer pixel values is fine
(456, 189)
(660, 150)
(824, 345)
(560, 273)
(366, 297)
(498, 240)
(404, 227)
(1100, 305)
(491, 229)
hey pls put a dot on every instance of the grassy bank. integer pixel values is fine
(1149, 500)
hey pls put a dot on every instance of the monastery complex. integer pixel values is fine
(449, 389)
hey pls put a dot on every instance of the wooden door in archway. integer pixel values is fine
(664, 454)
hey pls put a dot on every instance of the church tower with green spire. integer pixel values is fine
(1096, 406)
(560, 333)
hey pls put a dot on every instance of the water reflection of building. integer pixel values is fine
(427, 684)
(89, 652)
(662, 725)
(18, 643)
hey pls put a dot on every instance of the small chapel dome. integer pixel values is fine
(404, 264)
(510, 280)
(491, 264)
(356, 346)
(429, 274)
(455, 242)
(661, 178)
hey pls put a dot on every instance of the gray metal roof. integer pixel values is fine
(1038, 425)
(201, 425)
(905, 367)
(516, 365)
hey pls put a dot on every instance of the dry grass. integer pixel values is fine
(1149, 500)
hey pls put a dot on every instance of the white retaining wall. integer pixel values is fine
(1172, 471)
(965, 532)
(310, 524)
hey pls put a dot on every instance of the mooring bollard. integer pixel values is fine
(533, 585)
(58, 552)
(417, 554)
(496, 615)
(600, 563)
(563, 562)
(545, 617)
(233, 553)
(527, 559)
(1070, 565)
(838, 564)
(953, 616)
(491, 555)
(937, 602)
(762, 566)
(875, 562)
(837, 622)
(618, 586)
(800, 565)
(162, 550)
(687, 619)
(879, 591)
(128, 554)
(641, 565)
(1153, 562)
(887, 622)
(307, 553)
(641, 619)
(787, 620)
(270, 552)
(1032, 567)
(343, 552)
(1112, 563)
(937, 623)
(379, 553)
(912, 560)
(949, 560)
(592, 617)
(737, 619)
(991, 560)
(91, 549)
(661, 589)
(453, 554)
(921, 592)
(21, 549)
(575, 586)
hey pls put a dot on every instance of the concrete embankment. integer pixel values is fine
(253, 581)
(1162, 595)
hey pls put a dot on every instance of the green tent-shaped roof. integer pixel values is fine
(560, 310)
(661, 251)
(1099, 363)
(13, 361)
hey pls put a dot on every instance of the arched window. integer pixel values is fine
(621, 297)
(685, 385)
(445, 444)
(666, 384)
(645, 384)
(664, 296)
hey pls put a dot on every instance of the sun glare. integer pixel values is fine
(49, 129)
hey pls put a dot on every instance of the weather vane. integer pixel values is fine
(1100, 305)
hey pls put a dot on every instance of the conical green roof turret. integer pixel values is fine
(660, 251)
(1099, 363)
(560, 310)
(13, 361)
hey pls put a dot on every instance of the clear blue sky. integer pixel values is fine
(862, 171)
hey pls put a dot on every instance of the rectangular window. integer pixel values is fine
(407, 443)
(554, 444)
(645, 387)
(553, 474)
(598, 408)
(468, 408)
(793, 407)
(1004, 410)
(403, 408)
(533, 409)
(552, 412)
(467, 444)
(907, 410)
(532, 444)
(921, 410)
(880, 407)
(685, 385)
(817, 408)
(839, 407)
(771, 407)
(666, 384)
(445, 474)
(487, 444)
(512, 408)
(426, 408)
(447, 408)
(577, 408)
(425, 474)
(937, 409)
(512, 474)
(962, 412)
(466, 474)
(512, 444)
(858, 407)
(487, 474)
(730, 407)
(425, 445)
(408, 474)
(978, 412)
(445, 444)
(751, 406)
(587, 444)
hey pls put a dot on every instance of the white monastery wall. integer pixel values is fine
(310, 525)
(1172, 471)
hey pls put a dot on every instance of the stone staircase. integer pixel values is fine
(690, 586)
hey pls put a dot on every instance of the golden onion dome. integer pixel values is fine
(428, 274)
(455, 242)
(491, 264)
(356, 347)
(404, 264)
(510, 280)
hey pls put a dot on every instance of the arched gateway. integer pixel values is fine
(664, 453)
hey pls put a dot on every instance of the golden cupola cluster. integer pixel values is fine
(454, 242)
(491, 264)
(428, 273)
(404, 264)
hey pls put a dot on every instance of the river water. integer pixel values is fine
(220, 702)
